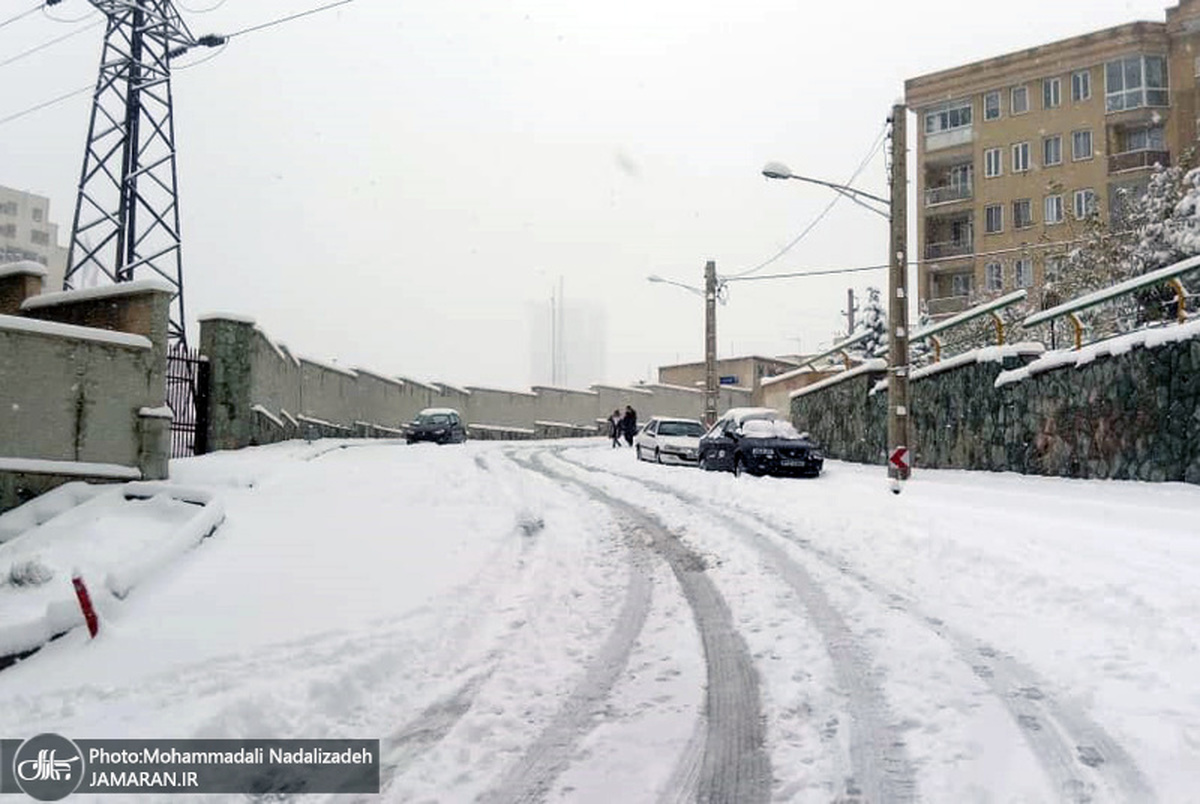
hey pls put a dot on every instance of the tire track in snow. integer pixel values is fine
(733, 765)
(880, 770)
(1076, 753)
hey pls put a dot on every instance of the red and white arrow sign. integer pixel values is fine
(899, 458)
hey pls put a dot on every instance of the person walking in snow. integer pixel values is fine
(629, 424)
(614, 428)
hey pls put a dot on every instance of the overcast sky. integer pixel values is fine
(392, 184)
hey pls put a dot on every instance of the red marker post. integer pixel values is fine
(85, 605)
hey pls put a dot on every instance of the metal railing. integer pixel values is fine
(1168, 275)
(1133, 160)
(949, 248)
(947, 193)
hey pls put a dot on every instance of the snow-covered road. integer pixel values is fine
(556, 621)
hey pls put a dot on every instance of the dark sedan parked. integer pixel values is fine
(440, 425)
(757, 441)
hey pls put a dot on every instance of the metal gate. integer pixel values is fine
(187, 397)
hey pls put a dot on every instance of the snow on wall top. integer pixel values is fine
(765, 381)
(445, 386)
(377, 376)
(875, 364)
(474, 388)
(1148, 338)
(329, 366)
(102, 292)
(70, 468)
(23, 267)
(623, 388)
(411, 381)
(14, 323)
(561, 389)
(669, 387)
(987, 354)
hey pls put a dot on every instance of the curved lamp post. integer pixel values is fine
(710, 292)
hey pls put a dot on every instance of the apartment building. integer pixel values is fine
(1015, 152)
(26, 233)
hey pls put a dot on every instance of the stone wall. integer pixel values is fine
(1128, 408)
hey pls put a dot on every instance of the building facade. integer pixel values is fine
(745, 372)
(1014, 153)
(26, 233)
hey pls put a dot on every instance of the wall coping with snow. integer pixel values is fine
(53, 329)
(869, 367)
(114, 291)
(24, 268)
(986, 354)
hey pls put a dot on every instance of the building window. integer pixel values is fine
(8, 208)
(992, 166)
(1054, 209)
(1144, 138)
(1081, 145)
(961, 284)
(993, 218)
(991, 105)
(995, 276)
(1135, 81)
(1022, 213)
(1054, 268)
(37, 215)
(1024, 272)
(948, 118)
(1020, 153)
(1051, 93)
(8, 230)
(39, 238)
(1085, 203)
(1052, 151)
(1081, 85)
(1019, 102)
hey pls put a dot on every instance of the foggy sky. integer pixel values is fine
(393, 184)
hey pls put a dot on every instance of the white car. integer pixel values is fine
(669, 440)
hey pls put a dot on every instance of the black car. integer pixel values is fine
(440, 425)
(758, 441)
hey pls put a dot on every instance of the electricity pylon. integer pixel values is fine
(127, 212)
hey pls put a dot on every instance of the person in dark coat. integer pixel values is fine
(614, 428)
(629, 424)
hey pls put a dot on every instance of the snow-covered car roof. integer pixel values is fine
(741, 414)
(672, 419)
(438, 411)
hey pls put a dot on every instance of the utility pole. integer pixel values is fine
(710, 343)
(899, 455)
(850, 310)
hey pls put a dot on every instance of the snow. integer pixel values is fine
(462, 606)
(161, 412)
(271, 342)
(411, 381)
(1148, 338)
(868, 366)
(500, 428)
(23, 267)
(437, 412)
(474, 388)
(262, 411)
(99, 292)
(381, 377)
(986, 354)
(328, 366)
(19, 324)
(628, 389)
(69, 468)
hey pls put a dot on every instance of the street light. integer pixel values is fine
(710, 293)
(898, 431)
(778, 170)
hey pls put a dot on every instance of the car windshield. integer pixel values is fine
(769, 428)
(433, 418)
(681, 429)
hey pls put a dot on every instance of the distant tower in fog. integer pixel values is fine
(566, 342)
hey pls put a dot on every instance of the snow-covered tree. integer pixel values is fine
(874, 320)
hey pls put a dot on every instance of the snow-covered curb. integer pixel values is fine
(38, 466)
(1148, 338)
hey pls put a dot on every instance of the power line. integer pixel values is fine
(879, 140)
(50, 16)
(213, 7)
(45, 45)
(798, 274)
(44, 104)
(282, 20)
(20, 16)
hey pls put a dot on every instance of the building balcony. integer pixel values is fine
(949, 248)
(948, 193)
(947, 305)
(1137, 160)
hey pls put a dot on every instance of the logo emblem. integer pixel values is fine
(48, 767)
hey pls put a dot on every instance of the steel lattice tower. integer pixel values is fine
(127, 212)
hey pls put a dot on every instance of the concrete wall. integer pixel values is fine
(261, 393)
(1128, 408)
(89, 397)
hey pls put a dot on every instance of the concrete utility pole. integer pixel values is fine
(850, 310)
(899, 456)
(710, 343)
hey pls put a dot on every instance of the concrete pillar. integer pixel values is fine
(18, 282)
(154, 442)
(227, 342)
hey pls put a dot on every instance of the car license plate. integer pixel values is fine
(788, 462)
